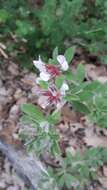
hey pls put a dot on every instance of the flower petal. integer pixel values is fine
(63, 62)
(45, 76)
(64, 88)
(39, 64)
(43, 101)
(38, 79)
(60, 105)
(36, 90)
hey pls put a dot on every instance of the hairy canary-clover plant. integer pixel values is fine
(56, 86)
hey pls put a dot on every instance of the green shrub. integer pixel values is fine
(19, 30)
(77, 21)
(53, 23)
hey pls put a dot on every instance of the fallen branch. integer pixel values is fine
(28, 167)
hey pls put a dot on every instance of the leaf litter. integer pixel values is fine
(76, 133)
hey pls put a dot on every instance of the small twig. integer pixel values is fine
(3, 53)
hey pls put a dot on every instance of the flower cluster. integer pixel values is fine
(48, 73)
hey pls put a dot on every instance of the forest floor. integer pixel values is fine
(17, 87)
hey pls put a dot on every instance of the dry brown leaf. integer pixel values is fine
(92, 139)
(13, 69)
(63, 127)
(29, 79)
(69, 115)
(102, 79)
(103, 181)
(105, 170)
(94, 72)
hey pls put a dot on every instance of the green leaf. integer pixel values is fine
(24, 28)
(43, 84)
(25, 119)
(69, 76)
(59, 81)
(55, 149)
(103, 59)
(55, 53)
(68, 180)
(52, 61)
(84, 171)
(54, 117)
(71, 97)
(69, 54)
(4, 15)
(82, 108)
(92, 86)
(33, 112)
(80, 73)
(85, 95)
(61, 181)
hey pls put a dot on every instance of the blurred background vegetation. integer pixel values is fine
(32, 27)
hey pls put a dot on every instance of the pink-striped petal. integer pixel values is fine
(63, 62)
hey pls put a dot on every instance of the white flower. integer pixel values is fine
(38, 79)
(39, 64)
(49, 71)
(43, 101)
(64, 88)
(63, 62)
(53, 96)
(44, 75)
